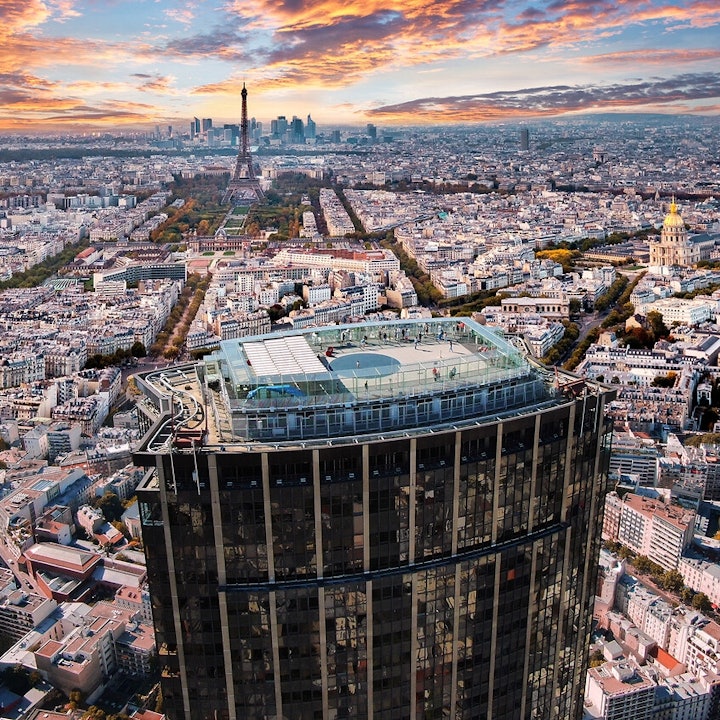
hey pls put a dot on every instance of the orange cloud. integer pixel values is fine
(18, 15)
(23, 50)
(27, 101)
(326, 44)
(22, 15)
(335, 44)
(294, 16)
(659, 56)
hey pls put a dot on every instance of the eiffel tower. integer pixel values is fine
(243, 186)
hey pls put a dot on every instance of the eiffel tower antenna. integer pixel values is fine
(243, 186)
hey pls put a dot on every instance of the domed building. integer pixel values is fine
(675, 247)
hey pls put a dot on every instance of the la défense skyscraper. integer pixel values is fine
(376, 520)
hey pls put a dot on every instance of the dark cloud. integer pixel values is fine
(222, 42)
(380, 27)
(531, 13)
(97, 115)
(557, 99)
(161, 84)
(20, 90)
(14, 96)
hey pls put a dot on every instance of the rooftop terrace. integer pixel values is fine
(341, 382)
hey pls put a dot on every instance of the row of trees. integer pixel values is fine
(589, 243)
(612, 295)
(38, 274)
(568, 253)
(558, 351)
(171, 338)
(284, 205)
(120, 356)
(670, 580)
(582, 347)
(622, 311)
(349, 209)
(285, 218)
(201, 211)
(425, 289)
(474, 302)
(689, 295)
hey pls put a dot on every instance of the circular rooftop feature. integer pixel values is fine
(375, 364)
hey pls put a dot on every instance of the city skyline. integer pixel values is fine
(76, 64)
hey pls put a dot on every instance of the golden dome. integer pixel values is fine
(673, 219)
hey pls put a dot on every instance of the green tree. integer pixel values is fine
(701, 602)
(159, 702)
(94, 713)
(625, 552)
(646, 566)
(122, 527)
(110, 506)
(672, 580)
(657, 325)
(138, 349)
(665, 381)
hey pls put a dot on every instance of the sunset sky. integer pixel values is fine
(70, 64)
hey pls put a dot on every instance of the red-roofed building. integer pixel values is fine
(147, 715)
(61, 572)
(665, 663)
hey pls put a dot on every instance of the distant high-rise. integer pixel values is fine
(371, 131)
(206, 124)
(278, 127)
(234, 129)
(524, 139)
(376, 521)
(194, 127)
(310, 128)
(297, 131)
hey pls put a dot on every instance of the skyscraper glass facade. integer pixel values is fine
(432, 571)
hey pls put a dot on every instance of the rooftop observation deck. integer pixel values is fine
(344, 382)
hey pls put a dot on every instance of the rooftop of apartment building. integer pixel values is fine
(619, 677)
(674, 514)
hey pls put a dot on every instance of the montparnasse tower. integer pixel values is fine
(372, 521)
